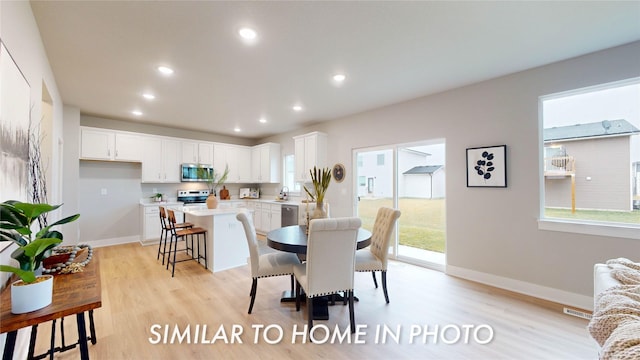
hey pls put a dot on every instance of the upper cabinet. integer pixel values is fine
(265, 163)
(237, 158)
(161, 160)
(197, 152)
(310, 150)
(102, 144)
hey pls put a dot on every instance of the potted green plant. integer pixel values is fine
(157, 197)
(213, 180)
(31, 292)
(320, 179)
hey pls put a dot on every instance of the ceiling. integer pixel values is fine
(105, 54)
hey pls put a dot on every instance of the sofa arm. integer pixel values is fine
(602, 279)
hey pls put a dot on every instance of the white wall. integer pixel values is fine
(20, 34)
(514, 254)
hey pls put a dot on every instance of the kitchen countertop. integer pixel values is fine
(158, 203)
(146, 202)
(203, 211)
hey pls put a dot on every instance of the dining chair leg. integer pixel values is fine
(297, 296)
(375, 282)
(310, 313)
(351, 314)
(254, 288)
(292, 284)
(384, 285)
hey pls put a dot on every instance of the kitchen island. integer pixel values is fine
(226, 242)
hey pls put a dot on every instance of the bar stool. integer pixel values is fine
(165, 232)
(184, 233)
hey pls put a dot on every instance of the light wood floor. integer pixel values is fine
(137, 292)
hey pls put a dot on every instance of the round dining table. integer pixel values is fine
(293, 239)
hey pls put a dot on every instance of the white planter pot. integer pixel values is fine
(31, 297)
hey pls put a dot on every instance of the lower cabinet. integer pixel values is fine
(267, 217)
(151, 229)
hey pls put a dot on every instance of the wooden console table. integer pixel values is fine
(73, 294)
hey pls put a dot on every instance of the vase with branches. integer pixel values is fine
(213, 180)
(320, 179)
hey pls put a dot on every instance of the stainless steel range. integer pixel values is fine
(193, 197)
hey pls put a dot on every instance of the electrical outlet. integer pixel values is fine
(155, 190)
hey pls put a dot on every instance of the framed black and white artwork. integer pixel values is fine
(487, 166)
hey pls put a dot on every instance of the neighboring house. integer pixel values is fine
(417, 178)
(424, 182)
(591, 165)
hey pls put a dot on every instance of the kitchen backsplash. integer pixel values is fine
(170, 190)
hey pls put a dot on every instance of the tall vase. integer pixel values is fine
(212, 202)
(319, 212)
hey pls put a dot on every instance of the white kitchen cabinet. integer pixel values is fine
(244, 164)
(265, 163)
(267, 217)
(161, 160)
(194, 152)
(310, 150)
(237, 157)
(101, 144)
(151, 228)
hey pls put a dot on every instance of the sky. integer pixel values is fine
(607, 103)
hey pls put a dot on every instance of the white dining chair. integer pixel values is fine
(265, 265)
(330, 265)
(375, 257)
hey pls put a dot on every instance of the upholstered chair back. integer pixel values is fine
(331, 248)
(383, 229)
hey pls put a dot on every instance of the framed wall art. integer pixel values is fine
(338, 172)
(487, 166)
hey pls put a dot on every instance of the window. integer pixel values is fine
(362, 180)
(289, 174)
(590, 143)
(380, 159)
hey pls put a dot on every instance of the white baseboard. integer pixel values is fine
(114, 241)
(538, 291)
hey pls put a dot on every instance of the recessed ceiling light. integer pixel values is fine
(247, 33)
(165, 70)
(148, 96)
(339, 78)
(137, 112)
(236, 129)
(297, 107)
(262, 120)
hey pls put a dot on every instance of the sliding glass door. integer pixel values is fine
(410, 178)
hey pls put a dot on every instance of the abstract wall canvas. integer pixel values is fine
(14, 131)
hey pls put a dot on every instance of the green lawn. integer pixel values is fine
(421, 225)
(629, 217)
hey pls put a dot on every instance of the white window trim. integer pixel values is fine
(611, 229)
(627, 231)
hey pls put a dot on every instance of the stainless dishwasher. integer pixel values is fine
(289, 215)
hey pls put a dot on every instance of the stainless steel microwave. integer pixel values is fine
(195, 172)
